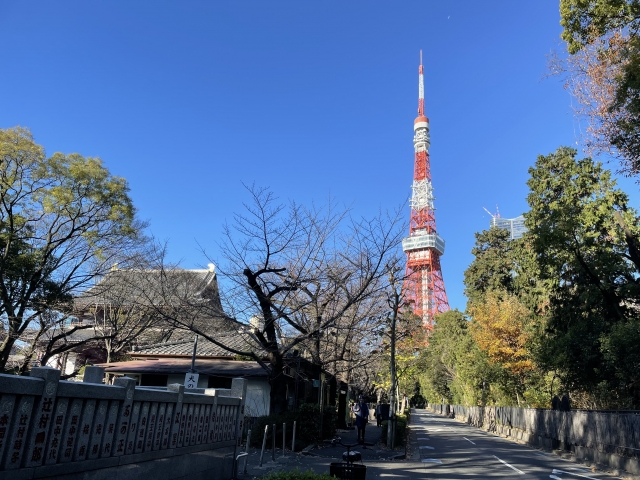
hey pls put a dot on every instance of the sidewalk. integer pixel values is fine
(319, 458)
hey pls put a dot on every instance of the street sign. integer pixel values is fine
(191, 381)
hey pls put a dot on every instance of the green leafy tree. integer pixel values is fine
(507, 305)
(64, 220)
(583, 20)
(493, 267)
(453, 367)
(585, 239)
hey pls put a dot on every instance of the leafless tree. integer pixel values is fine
(297, 278)
(591, 76)
(52, 334)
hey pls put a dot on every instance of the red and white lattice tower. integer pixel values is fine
(424, 285)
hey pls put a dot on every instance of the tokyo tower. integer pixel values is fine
(424, 285)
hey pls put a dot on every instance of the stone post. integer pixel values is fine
(95, 442)
(239, 390)
(93, 374)
(84, 430)
(177, 414)
(44, 414)
(133, 428)
(18, 437)
(124, 415)
(70, 430)
(6, 409)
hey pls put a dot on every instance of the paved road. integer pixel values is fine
(448, 449)
(443, 449)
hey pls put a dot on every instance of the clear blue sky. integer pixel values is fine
(189, 99)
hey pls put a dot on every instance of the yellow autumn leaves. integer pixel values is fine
(499, 328)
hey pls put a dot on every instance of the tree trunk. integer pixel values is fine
(278, 382)
(5, 349)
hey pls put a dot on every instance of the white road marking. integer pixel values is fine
(390, 475)
(554, 477)
(573, 473)
(511, 466)
(431, 460)
(427, 447)
(424, 438)
(468, 440)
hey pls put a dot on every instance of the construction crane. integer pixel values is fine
(493, 215)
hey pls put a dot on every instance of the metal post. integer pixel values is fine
(193, 357)
(321, 401)
(284, 431)
(264, 443)
(246, 449)
(235, 465)
(273, 443)
(293, 441)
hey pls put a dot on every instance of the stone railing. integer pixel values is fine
(608, 438)
(59, 427)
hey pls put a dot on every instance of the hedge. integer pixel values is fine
(401, 430)
(298, 475)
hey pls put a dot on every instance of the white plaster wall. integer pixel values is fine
(258, 397)
(70, 365)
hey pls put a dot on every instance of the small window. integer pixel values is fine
(219, 382)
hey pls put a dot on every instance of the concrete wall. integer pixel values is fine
(56, 429)
(611, 439)
(194, 463)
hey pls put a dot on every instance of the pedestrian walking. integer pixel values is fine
(378, 415)
(361, 411)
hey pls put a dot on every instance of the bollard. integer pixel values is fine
(238, 457)
(246, 450)
(284, 431)
(293, 441)
(264, 443)
(273, 444)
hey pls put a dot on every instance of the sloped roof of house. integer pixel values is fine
(145, 287)
(215, 367)
(240, 341)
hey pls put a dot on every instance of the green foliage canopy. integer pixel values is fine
(63, 220)
(493, 265)
(584, 236)
(584, 19)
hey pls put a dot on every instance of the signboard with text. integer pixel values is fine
(191, 381)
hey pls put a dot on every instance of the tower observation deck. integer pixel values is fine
(424, 285)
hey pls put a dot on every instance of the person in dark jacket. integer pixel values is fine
(378, 415)
(361, 411)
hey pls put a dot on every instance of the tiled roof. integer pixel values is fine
(140, 287)
(217, 367)
(238, 341)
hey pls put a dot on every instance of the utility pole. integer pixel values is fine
(395, 303)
